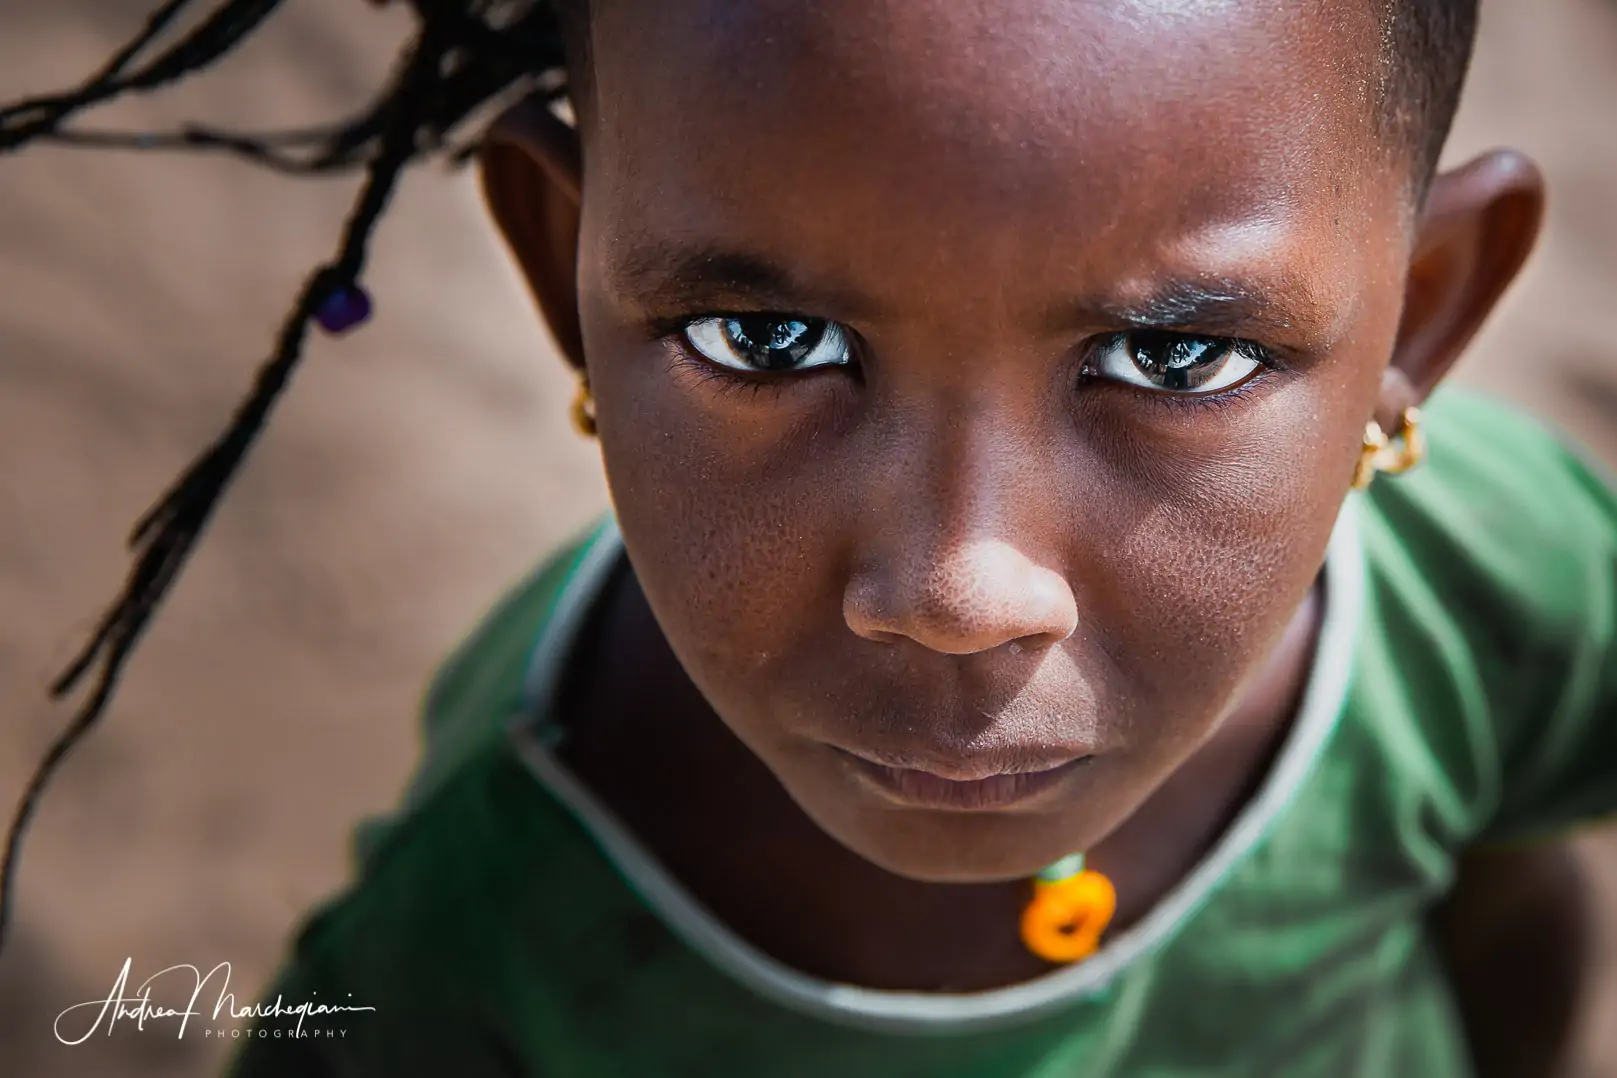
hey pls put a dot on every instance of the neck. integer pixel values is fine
(746, 851)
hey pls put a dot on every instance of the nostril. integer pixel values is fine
(1036, 642)
(882, 636)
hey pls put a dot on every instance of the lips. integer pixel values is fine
(962, 790)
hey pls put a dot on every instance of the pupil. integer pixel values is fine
(771, 343)
(1174, 361)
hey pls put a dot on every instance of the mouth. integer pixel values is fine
(954, 791)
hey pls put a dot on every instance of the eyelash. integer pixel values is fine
(671, 333)
(1269, 362)
(1221, 401)
(722, 380)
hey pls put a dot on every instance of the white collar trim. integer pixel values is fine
(933, 1012)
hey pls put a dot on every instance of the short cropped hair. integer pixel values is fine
(1426, 50)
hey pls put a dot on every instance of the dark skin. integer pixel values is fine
(971, 542)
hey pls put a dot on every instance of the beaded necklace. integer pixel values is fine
(1070, 908)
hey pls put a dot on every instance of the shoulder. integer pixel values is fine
(1504, 528)
(438, 905)
(1493, 585)
(470, 798)
(479, 872)
(478, 913)
(418, 941)
(487, 935)
(1504, 493)
(480, 685)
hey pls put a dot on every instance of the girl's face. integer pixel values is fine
(978, 391)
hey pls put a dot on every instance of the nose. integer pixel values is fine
(971, 596)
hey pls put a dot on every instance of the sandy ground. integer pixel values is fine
(415, 469)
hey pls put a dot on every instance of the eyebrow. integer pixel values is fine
(1218, 306)
(684, 278)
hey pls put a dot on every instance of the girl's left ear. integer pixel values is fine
(531, 166)
(1475, 233)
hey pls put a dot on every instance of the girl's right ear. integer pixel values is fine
(531, 166)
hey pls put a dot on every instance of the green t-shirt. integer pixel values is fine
(501, 923)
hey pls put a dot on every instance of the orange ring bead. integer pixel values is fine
(1065, 919)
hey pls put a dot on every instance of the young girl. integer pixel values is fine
(1009, 653)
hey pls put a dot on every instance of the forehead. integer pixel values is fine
(1004, 127)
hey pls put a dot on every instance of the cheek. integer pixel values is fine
(734, 540)
(1215, 547)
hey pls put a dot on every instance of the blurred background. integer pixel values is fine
(414, 470)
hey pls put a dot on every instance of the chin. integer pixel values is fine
(945, 857)
(933, 846)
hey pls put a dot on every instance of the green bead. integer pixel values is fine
(1064, 869)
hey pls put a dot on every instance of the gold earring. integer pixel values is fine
(583, 409)
(1399, 454)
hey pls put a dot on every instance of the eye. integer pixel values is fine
(771, 343)
(1176, 362)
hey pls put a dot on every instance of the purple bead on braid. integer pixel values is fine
(347, 306)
